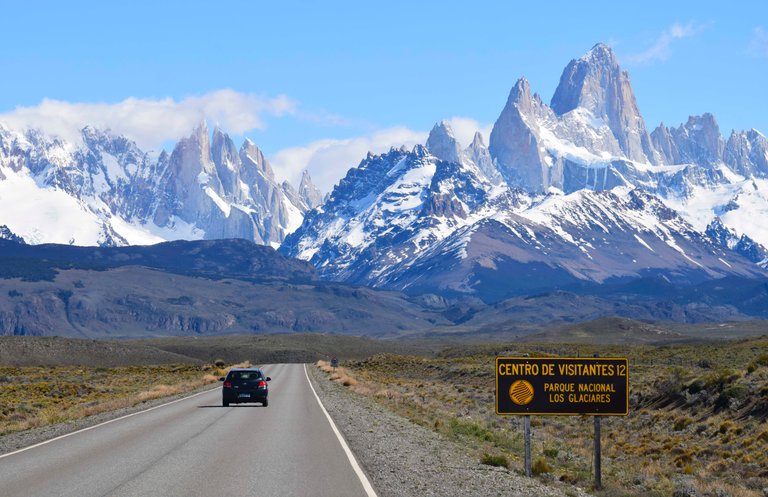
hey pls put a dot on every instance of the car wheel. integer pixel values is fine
(225, 403)
(265, 403)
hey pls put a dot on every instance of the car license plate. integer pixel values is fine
(244, 395)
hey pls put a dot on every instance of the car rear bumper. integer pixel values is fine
(245, 396)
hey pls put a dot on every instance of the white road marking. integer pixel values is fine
(105, 423)
(355, 466)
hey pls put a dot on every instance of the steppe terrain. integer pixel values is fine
(698, 395)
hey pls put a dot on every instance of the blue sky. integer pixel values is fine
(315, 83)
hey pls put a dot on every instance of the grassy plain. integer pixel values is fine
(32, 397)
(697, 423)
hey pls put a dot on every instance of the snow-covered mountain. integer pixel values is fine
(106, 191)
(572, 193)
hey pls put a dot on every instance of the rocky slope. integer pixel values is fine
(106, 191)
(568, 194)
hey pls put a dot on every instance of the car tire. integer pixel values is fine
(265, 403)
(225, 403)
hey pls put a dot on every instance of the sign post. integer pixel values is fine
(562, 386)
(598, 464)
(527, 431)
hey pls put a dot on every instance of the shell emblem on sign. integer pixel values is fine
(521, 392)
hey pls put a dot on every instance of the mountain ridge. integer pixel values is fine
(563, 194)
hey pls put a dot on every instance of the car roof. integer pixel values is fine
(245, 369)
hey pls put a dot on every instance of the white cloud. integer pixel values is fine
(151, 122)
(328, 160)
(661, 48)
(759, 43)
(464, 129)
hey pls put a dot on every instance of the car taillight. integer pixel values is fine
(262, 384)
(227, 384)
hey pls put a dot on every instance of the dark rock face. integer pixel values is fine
(515, 145)
(747, 153)
(596, 83)
(7, 234)
(744, 245)
(696, 142)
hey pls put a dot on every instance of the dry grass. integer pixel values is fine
(35, 397)
(339, 374)
(690, 419)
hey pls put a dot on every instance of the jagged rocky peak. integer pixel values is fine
(596, 83)
(747, 153)
(698, 141)
(7, 234)
(252, 156)
(478, 142)
(309, 193)
(521, 96)
(478, 152)
(515, 141)
(442, 143)
(665, 145)
(223, 149)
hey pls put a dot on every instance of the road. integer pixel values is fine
(195, 447)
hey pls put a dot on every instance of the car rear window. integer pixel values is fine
(245, 375)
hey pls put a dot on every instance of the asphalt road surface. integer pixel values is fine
(195, 447)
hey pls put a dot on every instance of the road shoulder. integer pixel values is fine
(403, 459)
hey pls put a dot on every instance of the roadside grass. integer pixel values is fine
(32, 397)
(698, 415)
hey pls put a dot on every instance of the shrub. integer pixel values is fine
(760, 361)
(682, 423)
(499, 461)
(725, 426)
(462, 428)
(718, 380)
(695, 386)
(734, 392)
(551, 453)
(541, 466)
(705, 364)
(219, 363)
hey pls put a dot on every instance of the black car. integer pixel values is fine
(245, 385)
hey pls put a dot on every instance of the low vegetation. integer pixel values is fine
(697, 423)
(32, 397)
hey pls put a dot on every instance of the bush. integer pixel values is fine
(760, 361)
(541, 466)
(219, 363)
(682, 423)
(462, 428)
(498, 461)
(551, 453)
(695, 386)
(718, 380)
(734, 392)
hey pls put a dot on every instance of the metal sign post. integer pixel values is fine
(562, 386)
(598, 464)
(527, 430)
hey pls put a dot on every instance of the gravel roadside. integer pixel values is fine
(404, 459)
(15, 441)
